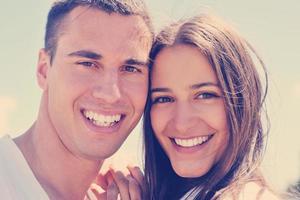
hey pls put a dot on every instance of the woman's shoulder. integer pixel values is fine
(253, 191)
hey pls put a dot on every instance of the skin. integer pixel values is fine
(114, 182)
(189, 108)
(96, 69)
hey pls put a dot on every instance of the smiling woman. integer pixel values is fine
(204, 137)
(188, 116)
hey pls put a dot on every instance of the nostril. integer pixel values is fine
(107, 93)
(116, 90)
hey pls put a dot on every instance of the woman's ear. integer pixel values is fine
(43, 67)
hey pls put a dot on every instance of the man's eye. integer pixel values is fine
(87, 64)
(131, 69)
(207, 95)
(162, 100)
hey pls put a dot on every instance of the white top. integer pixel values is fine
(251, 191)
(190, 195)
(17, 181)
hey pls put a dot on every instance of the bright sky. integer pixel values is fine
(271, 26)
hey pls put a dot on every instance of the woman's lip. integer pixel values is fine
(191, 149)
(191, 137)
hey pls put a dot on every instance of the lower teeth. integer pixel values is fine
(103, 124)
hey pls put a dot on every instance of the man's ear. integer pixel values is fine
(43, 67)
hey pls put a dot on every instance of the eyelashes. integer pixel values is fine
(131, 69)
(126, 68)
(205, 96)
(162, 99)
(87, 64)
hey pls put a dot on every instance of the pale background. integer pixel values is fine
(273, 27)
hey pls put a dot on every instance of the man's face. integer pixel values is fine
(97, 84)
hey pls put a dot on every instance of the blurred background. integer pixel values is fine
(271, 26)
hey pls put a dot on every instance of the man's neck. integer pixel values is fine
(60, 173)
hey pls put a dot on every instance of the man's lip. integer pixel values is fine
(104, 112)
(103, 129)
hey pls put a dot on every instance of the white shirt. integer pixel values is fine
(251, 191)
(190, 195)
(17, 181)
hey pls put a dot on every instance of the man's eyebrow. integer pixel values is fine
(136, 62)
(86, 54)
(199, 85)
(160, 90)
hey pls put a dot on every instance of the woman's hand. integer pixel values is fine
(136, 182)
(103, 188)
(115, 185)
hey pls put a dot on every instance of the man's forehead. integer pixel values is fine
(86, 13)
(132, 27)
(142, 34)
(123, 37)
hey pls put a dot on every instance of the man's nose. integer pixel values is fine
(108, 89)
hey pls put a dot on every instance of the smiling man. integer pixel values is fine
(94, 76)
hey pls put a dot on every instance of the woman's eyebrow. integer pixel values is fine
(160, 90)
(199, 85)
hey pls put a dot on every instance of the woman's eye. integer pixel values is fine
(131, 69)
(207, 95)
(162, 100)
(87, 64)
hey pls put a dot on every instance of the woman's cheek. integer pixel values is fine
(155, 119)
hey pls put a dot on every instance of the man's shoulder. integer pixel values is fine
(6, 162)
(17, 181)
(8, 158)
(6, 146)
(5, 139)
(8, 149)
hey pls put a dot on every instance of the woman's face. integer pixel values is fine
(188, 113)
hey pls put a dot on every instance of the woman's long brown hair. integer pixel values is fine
(232, 59)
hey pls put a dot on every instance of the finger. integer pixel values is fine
(109, 178)
(93, 194)
(135, 191)
(138, 175)
(101, 180)
(122, 184)
(97, 188)
(112, 191)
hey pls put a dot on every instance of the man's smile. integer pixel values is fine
(102, 120)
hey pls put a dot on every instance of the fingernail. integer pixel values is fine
(128, 176)
(111, 168)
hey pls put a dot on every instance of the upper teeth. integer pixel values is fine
(102, 120)
(191, 142)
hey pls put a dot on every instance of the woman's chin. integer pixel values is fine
(189, 172)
